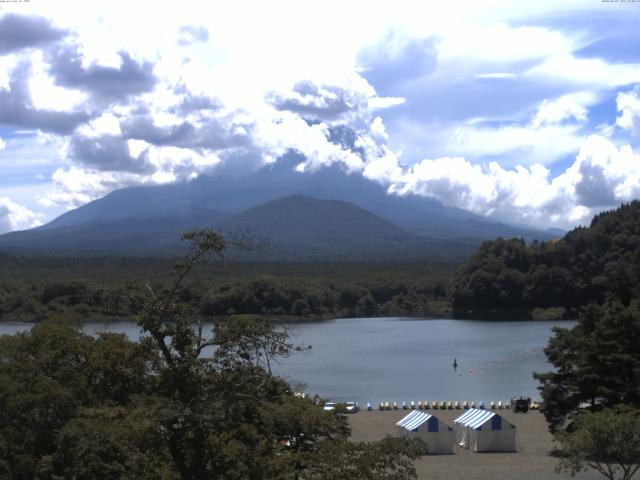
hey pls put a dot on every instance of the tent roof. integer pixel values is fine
(414, 420)
(475, 418)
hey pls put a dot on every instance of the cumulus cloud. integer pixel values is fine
(208, 132)
(565, 108)
(106, 153)
(190, 34)
(602, 176)
(105, 83)
(628, 104)
(323, 102)
(14, 216)
(17, 109)
(23, 31)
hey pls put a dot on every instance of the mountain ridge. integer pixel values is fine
(232, 194)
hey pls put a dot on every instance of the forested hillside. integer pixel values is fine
(586, 266)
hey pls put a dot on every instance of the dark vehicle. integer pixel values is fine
(521, 404)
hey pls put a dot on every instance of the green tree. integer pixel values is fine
(607, 442)
(227, 416)
(597, 362)
(179, 404)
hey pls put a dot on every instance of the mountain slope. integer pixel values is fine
(143, 235)
(290, 228)
(231, 194)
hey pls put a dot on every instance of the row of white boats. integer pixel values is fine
(426, 405)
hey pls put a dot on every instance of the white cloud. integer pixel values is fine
(45, 94)
(629, 107)
(566, 107)
(14, 216)
(499, 43)
(602, 176)
(508, 75)
(229, 73)
(584, 73)
(105, 124)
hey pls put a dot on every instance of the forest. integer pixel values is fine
(587, 265)
(32, 288)
(505, 278)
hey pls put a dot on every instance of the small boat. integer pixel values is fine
(500, 406)
(395, 405)
(404, 405)
(413, 405)
(427, 405)
(473, 404)
(449, 405)
(492, 405)
(442, 406)
(381, 406)
(419, 404)
(457, 405)
(465, 404)
(369, 406)
(481, 405)
(434, 405)
(455, 364)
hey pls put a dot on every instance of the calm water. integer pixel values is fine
(399, 359)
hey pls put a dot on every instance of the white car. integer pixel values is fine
(329, 407)
(352, 407)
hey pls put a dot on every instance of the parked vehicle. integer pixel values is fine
(329, 407)
(521, 404)
(352, 407)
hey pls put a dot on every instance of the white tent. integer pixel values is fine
(436, 434)
(484, 431)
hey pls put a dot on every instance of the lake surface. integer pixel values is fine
(401, 359)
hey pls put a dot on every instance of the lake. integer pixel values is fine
(404, 359)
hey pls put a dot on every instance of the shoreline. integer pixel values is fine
(533, 459)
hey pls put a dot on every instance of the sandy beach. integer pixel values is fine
(532, 461)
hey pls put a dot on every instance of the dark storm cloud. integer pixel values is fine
(24, 31)
(17, 110)
(106, 84)
(107, 153)
(317, 102)
(189, 34)
(210, 133)
(396, 60)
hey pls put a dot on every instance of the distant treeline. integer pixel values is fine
(504, 278)
(33, 288)
(588, 265)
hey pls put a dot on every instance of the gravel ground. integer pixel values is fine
(532, 461)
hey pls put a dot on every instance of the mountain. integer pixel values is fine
(295, 227)
(143, 235)
(232, 194)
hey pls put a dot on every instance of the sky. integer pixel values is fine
(527, 112)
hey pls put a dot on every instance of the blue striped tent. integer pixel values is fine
(484, 431)
(436, 434)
